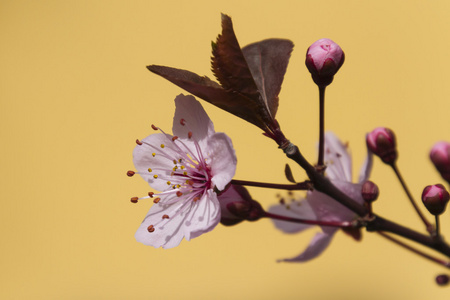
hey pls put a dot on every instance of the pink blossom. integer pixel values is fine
(188, 167)
(318, 206)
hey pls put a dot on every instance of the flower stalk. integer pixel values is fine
(306, 185)
(428, 225)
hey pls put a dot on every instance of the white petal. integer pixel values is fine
(203, 216)
(337, 159)
(143, 159)
(187, 219)
(317, 245)
(195, 117)
(223, 159)
(168, 232)
(366, 167)
(298, 209)
(328, 209)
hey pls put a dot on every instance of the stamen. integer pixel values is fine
(196, 199)
(150, 228)
(155, 176)
(134, 199)
(150, 194)
(138, 142)
(153, 154)
(169, 183)
(174, 161)
(130, 173)
(183, 122)
(154, 127)
(149, 170)
(179, 194)
(156, 200)
(162, 146)
(165, 217)
(174, 138)
(189, 134)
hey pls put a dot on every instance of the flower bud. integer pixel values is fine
(369, 191)
(381, 141)
(237, 205)
(442, 279)
(435, 198)
(323, 59)
(440, 156)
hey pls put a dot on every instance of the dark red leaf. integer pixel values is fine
(268, 62)
(229, 65)
(212, 92)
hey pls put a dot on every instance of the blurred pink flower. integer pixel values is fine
(188, 168)
(318, 206)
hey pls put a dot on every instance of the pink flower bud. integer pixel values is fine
(442, 279)
(323, 59)
(369, 191)
(440, 156)
(435, 198)
(237, 205)
(381, 141)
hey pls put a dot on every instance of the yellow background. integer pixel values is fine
(75, 95)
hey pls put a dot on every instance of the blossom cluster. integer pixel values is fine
(192, 170)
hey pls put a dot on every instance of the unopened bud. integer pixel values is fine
(435, 198)
(369, 191)
(323, 59)
(440, 156)
(237, 205)
(442, 279)
(381, 141)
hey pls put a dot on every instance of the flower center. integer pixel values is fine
(182, 166)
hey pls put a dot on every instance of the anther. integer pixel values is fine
(196, 199)
(169, 183)
(134, 199)
(165, 217)
(130, 173)
(156, 200)
(183, 122)
(174, 138)
(155, 176)
(153, 154)
(154, 127)
(189, 134)
(138, 142)
(179, 194)
(150, 228)
(149, 170)
(162, 146)
(174, 162)
(150, 194)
